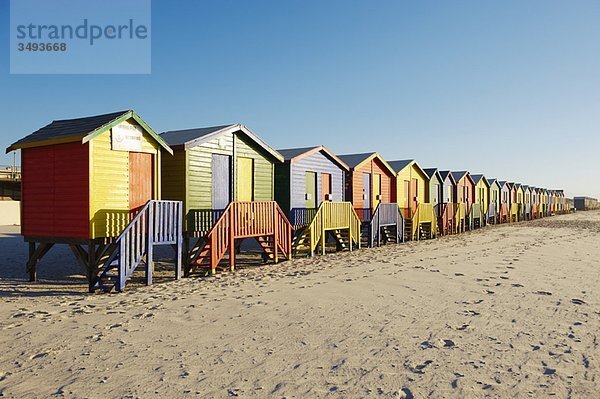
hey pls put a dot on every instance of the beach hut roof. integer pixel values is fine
(84, 129)
(459, 175)
(433, 171)
(399, 165)
(477, 179)
(447, 173)
(355, 160)
(188, 138)
(295, 154)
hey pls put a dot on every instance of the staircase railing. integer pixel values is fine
(491, 213)
(386, 214)
(247, 220)
(460, 214)
(334, 216)
(504, 213)
(157, 223)
(425, 213)
(514, 211)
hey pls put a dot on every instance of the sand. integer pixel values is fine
(507, 311)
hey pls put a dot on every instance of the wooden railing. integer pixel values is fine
(157, 223)
(334, 216)
(514, 211)
(504, 214)
(446, 213)
(491, 213)
(424, 213)
(386, 214)
(247, 220)
(460, 214)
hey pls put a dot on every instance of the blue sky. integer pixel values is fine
(510, 89)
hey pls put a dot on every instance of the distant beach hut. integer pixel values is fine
(520, 201)
(309, 187)
(450, 212)
(526, 202)
(482, 199)
(225, 177)
(493, 214)
(370, 186)
(505, 201)
(93, 183)
(419, 214)
(465, 194)
(434, 192)
(514, 206)
(535, 202)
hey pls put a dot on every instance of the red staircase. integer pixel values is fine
(261, 220)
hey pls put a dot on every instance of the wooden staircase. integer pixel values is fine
(261, 220)
(423, 223)
(445, 218)
(157, 223)
(386, 225)
(335, 222)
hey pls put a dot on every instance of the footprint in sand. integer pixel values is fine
(578, 301)
(542, 293)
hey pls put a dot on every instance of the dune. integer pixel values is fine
(505, 311)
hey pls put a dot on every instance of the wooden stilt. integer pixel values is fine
(150, 247)
(31, 269)
(35, 255)
(91, 267)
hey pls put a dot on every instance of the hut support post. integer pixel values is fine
(180, 239)
(150, 245)
(231, 239)
(35, 255)
(91, 265)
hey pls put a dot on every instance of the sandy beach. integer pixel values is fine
(507, 311)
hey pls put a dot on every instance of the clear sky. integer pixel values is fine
(506, 88)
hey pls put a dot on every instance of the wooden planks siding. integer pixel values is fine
(173, 173)
(388, 191)
(409, 173)
(198, 184)
(318, 163)
(263, 168)
(109, 184)
(55, 199)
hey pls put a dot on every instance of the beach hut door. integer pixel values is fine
(376, 190)
(326, 187)
(414, 195)
(245, 179)
(141, 177)
(366, 192)
(220, 181)
(311, 190)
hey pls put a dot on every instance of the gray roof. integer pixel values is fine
(445, 174)
(194, 137)
(431, 171)
(459, 175)
(476, 178)
(65, 128)
(354, 159)
(399, 165)
(180, 137)
(492, 181)
(290, 153)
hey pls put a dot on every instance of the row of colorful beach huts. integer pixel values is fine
(112, 189)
